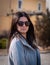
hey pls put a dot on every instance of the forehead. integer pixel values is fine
(23, 19)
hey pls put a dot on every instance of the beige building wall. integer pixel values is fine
(5, 23)
(7, 5)
(27, 5)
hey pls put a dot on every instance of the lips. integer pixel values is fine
(23, 29)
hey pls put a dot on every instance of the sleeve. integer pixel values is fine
(38, 57)
(13, 54)
(10, 61)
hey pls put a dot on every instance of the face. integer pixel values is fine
(23, 25)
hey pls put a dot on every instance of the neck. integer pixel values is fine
(24, 35)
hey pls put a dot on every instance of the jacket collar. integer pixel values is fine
(25, 43)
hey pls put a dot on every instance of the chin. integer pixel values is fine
(23, 32)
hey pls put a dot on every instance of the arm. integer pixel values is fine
(38, 57)
(13, 53)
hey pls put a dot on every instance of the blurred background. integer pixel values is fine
(39, 12)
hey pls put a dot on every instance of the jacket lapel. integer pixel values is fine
(25, 43)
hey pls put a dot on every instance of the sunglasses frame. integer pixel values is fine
(21, 23)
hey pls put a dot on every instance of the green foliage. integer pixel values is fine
(3, 43)
(42, 28)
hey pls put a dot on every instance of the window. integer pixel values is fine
(39, 6)
(19, 4)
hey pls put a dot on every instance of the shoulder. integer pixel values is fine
(13, 43)
(38, 50)
(14, 40)
(38, 53)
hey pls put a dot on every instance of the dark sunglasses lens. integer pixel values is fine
(20, 23)
(27, 23)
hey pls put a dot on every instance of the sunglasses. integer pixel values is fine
(21, 23)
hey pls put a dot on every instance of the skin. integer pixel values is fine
(23, 29)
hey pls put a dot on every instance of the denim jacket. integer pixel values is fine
(21, 53)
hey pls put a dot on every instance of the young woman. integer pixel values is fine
(22, 48)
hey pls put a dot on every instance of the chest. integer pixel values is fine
(30, 56)
(27, 55)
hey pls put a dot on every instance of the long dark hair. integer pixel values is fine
(30, 34)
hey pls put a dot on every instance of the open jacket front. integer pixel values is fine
(21, 53)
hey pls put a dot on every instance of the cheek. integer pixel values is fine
(18, 28)
(27, 28)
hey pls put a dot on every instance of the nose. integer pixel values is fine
(24, 24)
